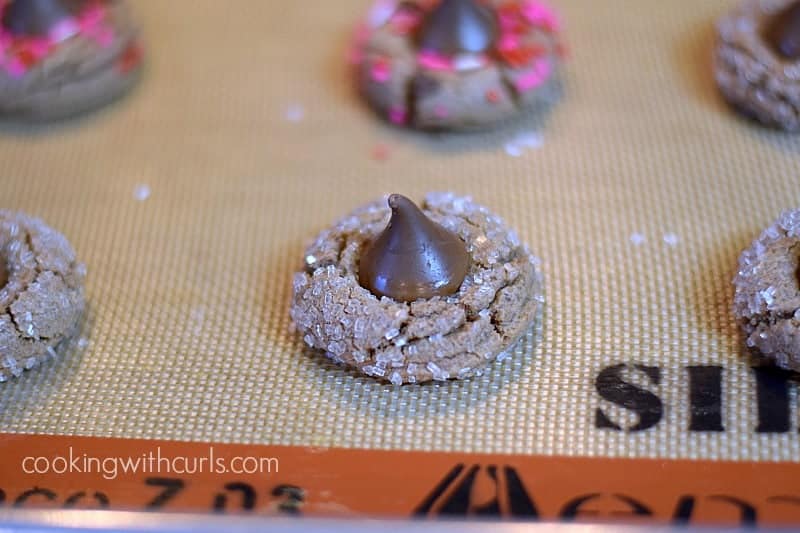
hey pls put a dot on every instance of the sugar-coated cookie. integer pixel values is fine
(757, 61)
(410, 295)
(767, 298)
(41, 293)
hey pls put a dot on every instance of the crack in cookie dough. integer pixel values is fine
(66, 76)
(3, 272)
(41, 299)
(431, 339)
(409, 86)
(751, 75)
(767, 298)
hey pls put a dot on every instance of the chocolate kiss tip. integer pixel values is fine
(37, 17)
(458, 26)
(783, 32)
(414, 257)
(398, 201)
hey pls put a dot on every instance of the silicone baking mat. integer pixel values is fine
(191, 202)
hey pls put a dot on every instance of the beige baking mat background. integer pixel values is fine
(192, 200)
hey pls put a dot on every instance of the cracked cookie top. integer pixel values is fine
(41, 297)
(436, 338)
(767, 298)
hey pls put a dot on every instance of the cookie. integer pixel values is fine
(387, 291)
(63, 57)
(757, 61)
(767, 298)
(41, 293)
(458, 64)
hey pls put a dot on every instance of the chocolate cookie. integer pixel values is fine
(410, 295)
(63, 57)
(767, 299)
(757, 61)
(458, 64)
(41, 293)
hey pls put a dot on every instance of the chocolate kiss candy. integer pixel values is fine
(37, 17)
(414, 257)
(783, 32)
(3, 274)
(458, 26)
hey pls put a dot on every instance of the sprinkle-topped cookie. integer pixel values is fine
(61, 57)
(458, 64)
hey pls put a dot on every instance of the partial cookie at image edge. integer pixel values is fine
(767, 293)
(750, 74)
(42, 300)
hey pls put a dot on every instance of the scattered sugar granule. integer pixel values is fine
(637, 239)
(526, 140)
(671, 239)
(295, 112)
(141, 192)
(513, 150)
